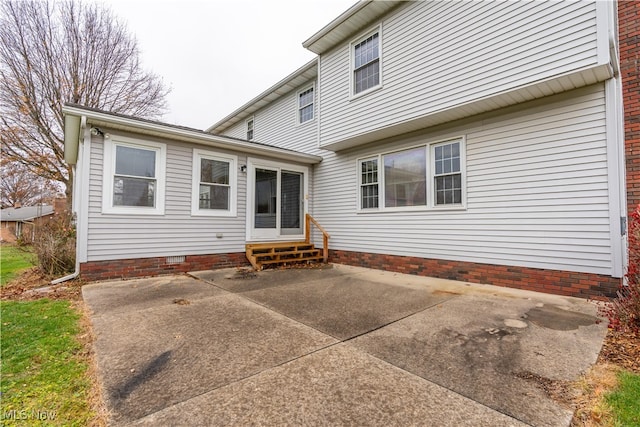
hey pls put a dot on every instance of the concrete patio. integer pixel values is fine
(335, 346)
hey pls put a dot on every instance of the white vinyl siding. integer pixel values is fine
(279, 125)
(177, 232)
(537, 191)
(440, 55)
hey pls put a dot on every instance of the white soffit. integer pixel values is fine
(351, 22)
(293, 81)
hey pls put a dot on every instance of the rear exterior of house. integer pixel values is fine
(474, 141)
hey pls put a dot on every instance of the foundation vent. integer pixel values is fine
(175, 259)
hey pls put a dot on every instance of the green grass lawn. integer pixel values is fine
(625, 400)
(13, 260)
(43, 379)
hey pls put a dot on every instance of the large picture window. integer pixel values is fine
(134, 176)
(366, 63)
(426, 176)
(405, 175)
(214, 184)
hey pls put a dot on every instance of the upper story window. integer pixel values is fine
(250, 129)
(305, 105)
(420, 177)
(213, 184)
(366, 63)
(134, 177)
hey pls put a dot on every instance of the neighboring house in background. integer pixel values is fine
(474, 141)
(20, 222)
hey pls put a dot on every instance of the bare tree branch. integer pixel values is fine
(18, 186)
(56, 52)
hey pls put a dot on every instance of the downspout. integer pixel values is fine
(71, 156)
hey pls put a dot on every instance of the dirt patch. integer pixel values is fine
(563, 392)
(31, 285)
(621, 349)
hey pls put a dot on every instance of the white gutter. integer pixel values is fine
(189, 135)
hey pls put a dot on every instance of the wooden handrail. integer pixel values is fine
(308, 219)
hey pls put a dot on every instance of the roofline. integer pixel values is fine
(335, 23)
(273, 89)
(133, 124)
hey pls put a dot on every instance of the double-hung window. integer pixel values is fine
(369, 183)
(305, 105)
(366, 63)
(213, 184)
(134, 176)
(426, 176)
(447, 177)
(249, 123)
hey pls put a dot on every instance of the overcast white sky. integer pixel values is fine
(216, 55)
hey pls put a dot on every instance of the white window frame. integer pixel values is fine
(253, 128)
(352, 70)
(361, 184)
(430, 178)
(109, 169)
(232, 160)
(431, 185)
(300, 107)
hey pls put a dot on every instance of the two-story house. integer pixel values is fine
(476, 141)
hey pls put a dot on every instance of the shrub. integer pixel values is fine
(55, 245)
(624, 311)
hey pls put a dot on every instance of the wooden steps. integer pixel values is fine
(281, 253)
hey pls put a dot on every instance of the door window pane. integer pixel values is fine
(266, 198)
(291, 203)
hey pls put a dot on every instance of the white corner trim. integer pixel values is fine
(603, 20)
(615, 176)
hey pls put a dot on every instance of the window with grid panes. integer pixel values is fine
(305, 105)
(369, 184)
(447, 174)
(366, 64)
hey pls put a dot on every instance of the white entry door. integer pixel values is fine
(275, 201)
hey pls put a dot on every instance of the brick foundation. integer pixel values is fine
(629, 35)
(140, 267)
(583, 285)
